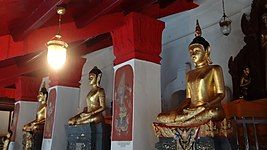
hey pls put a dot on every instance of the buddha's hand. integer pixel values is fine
(35, 127)
(32, 125)
(166, 118)
(82, 115)
(194, 110)
(72, 121)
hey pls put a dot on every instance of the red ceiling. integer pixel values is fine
(12, 10)
(26, 25)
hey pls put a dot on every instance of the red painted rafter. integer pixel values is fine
(7, 104)
(137, 6)
(175, 7)
(34, 42)
(12, 72)
(7, 92)
(24, 66)
(8, 81)
(38, 17)
(100, 9)
(99, 42)
(37, 39)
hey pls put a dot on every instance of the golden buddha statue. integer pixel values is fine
(6, 141)
(41, 112)
(95, 102)
(245, 83)
(204, 90)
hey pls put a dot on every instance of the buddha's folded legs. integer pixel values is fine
(74, 119)
(84, 118)
(90, 119)
(168, 117)
(174, 116)
(189, 113)
(201, 118)
(33, 125)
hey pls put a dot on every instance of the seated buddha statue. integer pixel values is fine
(41, 112)
(204, 90)
(6, 141)
(95, 100)
(245, 82)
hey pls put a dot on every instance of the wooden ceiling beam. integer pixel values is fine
(12, 72)
(97, 43)
(35, 42)
(7, 92)
(38, 17)
(159, 10)
(7, 104)
(24, 64)
(102, 8)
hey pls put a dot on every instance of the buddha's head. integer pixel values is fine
(95, 76)
(199, 48)
(9, 135)
(42, 96)
(246, 71)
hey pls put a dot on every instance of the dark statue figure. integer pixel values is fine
(252, 55)
(245, 83)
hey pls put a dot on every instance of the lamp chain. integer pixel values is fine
(59, 24)
(223, 7)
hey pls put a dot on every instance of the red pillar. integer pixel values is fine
(140, 38)
(136, 102)
(27, 88)
(69, 75)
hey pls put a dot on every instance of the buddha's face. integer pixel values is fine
(8, 135)
(246, 71)
(40, 97)
(92, 79)
(197, 54)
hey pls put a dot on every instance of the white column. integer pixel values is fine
(146, 105)
(65, 106)
(26, 114)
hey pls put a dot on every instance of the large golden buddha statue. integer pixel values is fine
(38, 123)
(204, 90)
(201, 113)
(95, 102)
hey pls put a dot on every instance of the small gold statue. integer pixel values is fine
(204, 91)
(244, 83)
(38, 123)
(95, 102)
(27, 140)
(6, 141)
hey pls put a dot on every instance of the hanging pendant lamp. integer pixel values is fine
(225, 22)
(57, 48)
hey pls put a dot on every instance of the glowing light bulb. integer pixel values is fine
(57, 53)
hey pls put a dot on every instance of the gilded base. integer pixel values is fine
(33, 137)
(210, 129)
(88, 136)
(203, 143)
(186, 137)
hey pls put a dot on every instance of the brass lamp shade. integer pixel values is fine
(225, 25)
(57, 52)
